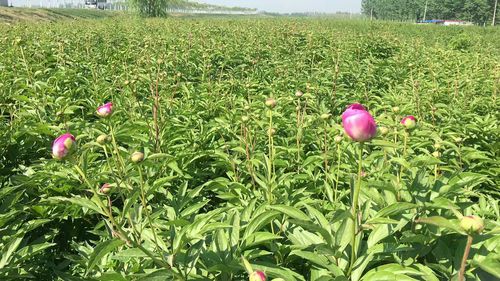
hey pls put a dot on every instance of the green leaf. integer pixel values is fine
(8, 249)
(78, 200)
(395, 208)
(112, 276)
(291, 212)
(362, 261)
(383, 143)
(259, 238)
(395, 271)
(278, 272)
(319, 260)
(193, 208)
(258, 222)
(491, 264)
(101, 250)
(442, 222)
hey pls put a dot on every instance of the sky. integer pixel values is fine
(288, 6)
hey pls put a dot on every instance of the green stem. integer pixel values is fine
(270, 167)
(325, 148)
(146, 210)
(461, 273)
(354, 208)
(338, 172)
(123, 235)
(118, 182)
(298, 136)
(115, 147)
(400, 175)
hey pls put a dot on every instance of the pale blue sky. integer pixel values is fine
(287, 6)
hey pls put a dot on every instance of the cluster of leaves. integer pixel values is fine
(215, 185)
(477, 11)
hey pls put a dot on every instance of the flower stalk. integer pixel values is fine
(354, 208)
(461, 273)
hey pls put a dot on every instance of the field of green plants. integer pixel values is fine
(214, 149)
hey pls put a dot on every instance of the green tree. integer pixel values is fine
(151, 8)
(478, 11)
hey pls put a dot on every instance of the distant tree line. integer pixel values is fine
(158, 8)
(477, 11)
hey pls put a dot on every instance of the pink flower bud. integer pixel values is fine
(105, 110)
(358, 123)
(105, 188)
(409, 122)
(63, 145)
(257, 276)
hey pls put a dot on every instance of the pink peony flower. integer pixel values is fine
(258, 276)
(105, 110)
(409, 122)
(358, 123)
(63, 145)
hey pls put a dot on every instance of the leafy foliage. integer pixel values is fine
(478, 11)
(215, 187)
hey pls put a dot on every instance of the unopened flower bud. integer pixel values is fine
(257, 276)
(358, 123)
(137, 157)
(105, 110)
(472, 224)
(271, 131)
(244, 118)
(395, 109)
(436, 154)
(63, 146)
(383, 130)
(102, 139)
(437, 145)
(299, 94)
(409, 122)
(247, 107)
(270, 102)
(105, 188)
(338, 139)
(325, 116)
